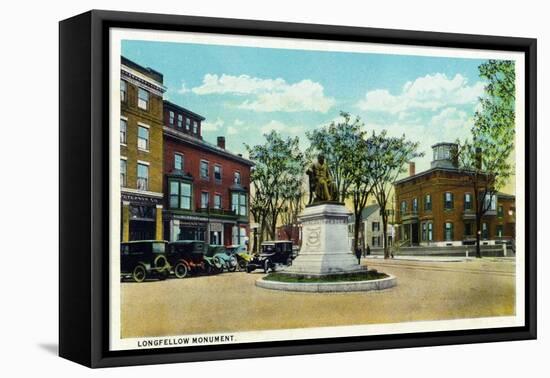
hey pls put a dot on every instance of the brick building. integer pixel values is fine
(436, 207)
(141, 146)
(206, 186)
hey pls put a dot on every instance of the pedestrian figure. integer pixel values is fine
(368, 250)
(358, 255)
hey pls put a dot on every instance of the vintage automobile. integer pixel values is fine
(220, 256)
(272, 254)
(186, 257)
(142, 259)
(241, 254)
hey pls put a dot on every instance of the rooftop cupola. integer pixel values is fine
(445, 155)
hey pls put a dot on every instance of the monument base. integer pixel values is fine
(325, 248)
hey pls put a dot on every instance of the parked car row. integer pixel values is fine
(159, 259)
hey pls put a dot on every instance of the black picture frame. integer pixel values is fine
(84, 194)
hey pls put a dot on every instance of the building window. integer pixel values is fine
(424, 231)
(180, 195)
(123, 91)
(500, 211)
(484, 231)
(217, 201)
(448, 231)
(427, 202)
(178, 162)
(467, 201)
(142, 176)
(403, 207)
(205, 199)
(143, 99)
(123, 175)
(237, 178)
(376, 241)
(180, 120)
(430, 231)
(490, 202)
(415, 205)
(238, 235)
(172, 116)
(238, 203)
(187, 123)
(468, 230)
(123, 131)
(218, 173)
(375, 226)
(500, 231)
(143, 138)
(195, 127)
(448, 198)
(204, 169)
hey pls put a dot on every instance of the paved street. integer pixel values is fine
(231, 302)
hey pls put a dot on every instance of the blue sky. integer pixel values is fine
(245, 91)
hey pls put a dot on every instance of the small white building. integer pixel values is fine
(371, 234)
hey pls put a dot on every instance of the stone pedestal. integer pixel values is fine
(325, 247)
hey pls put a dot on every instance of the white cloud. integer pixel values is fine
(238, 122)
(280, 127)
(232, 130)
(268, 95)
(430, 92)
(212, 126)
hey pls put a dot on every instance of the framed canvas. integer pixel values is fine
(235, 188)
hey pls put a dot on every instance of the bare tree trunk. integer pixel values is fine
(478, 236)
(385, 234)
(356, 227)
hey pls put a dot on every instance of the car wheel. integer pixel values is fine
(139, 274)
(267, 265)
(180, 270)
(161, 263)
(289, 261)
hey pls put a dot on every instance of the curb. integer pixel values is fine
(330, 287)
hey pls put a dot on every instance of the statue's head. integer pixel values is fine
(321, 158)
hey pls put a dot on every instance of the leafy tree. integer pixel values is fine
(361, 181)
(276, 179)
(336, 142)
(389, 156)
(485, 159)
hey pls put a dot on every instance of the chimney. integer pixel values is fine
(221, 142)
(412, 168)
(479, 158)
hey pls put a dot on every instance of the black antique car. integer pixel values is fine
(186, 257)
(272, 253)
(142, 259)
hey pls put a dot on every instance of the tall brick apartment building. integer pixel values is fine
(141, 157)
(206, 186)
(436, 207)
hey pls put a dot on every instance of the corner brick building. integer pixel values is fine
(206, 187)
(141, 151)
(436, 207)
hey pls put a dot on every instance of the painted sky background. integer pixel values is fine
(244, 92)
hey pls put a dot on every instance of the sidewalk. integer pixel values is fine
(423, 258)
(437, 258)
